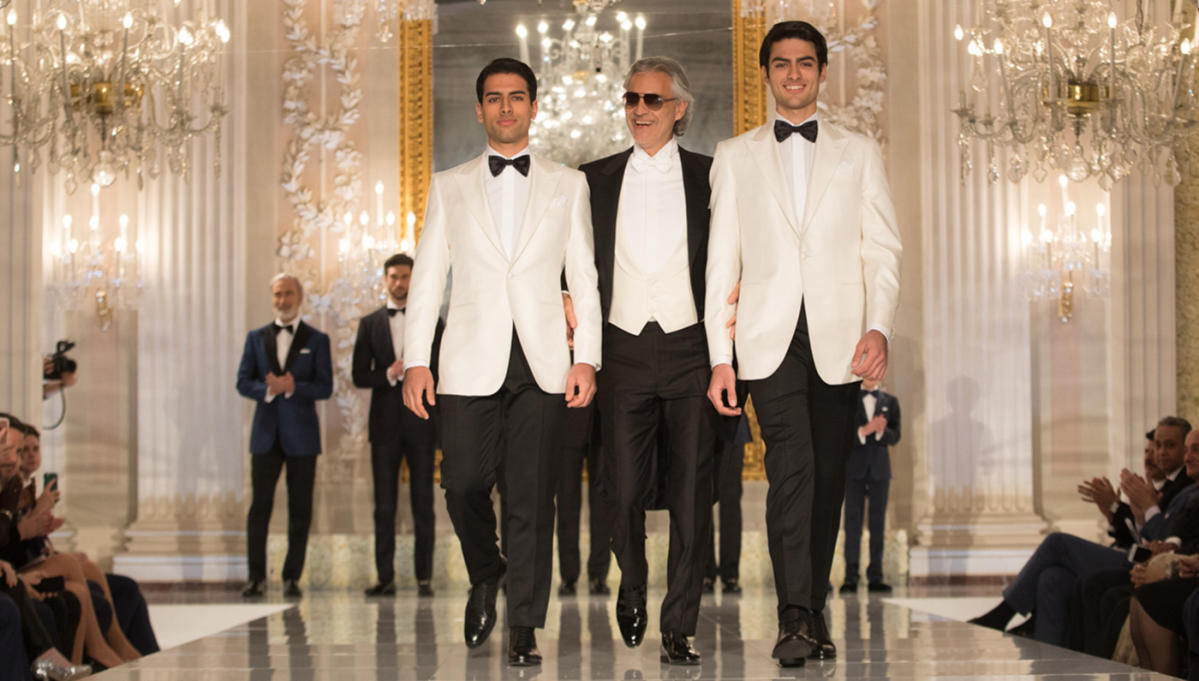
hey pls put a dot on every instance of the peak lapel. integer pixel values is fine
(472, 186)
(830, 145)
(272, 349)
(303, 331)
(544, 178)
(765, 150)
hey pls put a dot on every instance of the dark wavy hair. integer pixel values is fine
(799, 30)
(507, 65)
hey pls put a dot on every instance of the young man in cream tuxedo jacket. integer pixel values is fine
(507, 224)
(802, 217)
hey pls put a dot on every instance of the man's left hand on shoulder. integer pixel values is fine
(870, 356)
(580, 385)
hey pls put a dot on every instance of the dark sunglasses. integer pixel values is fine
(652, 102)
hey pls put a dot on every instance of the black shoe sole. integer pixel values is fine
(793, 650)
(791, 663)
(665, 659)
(523, 662)
(819, 654)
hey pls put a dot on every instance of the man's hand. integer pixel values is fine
(1139, 492)
(724, 382)
(572, 322)
(34, 525)
(395, 370)
(1188, 566)
(1156, 547)
(288, 383)
(8, 574)
(418, 388)
(870, 357)
(580, 385)
(733, 298)
(49, 497)
(1139, 574)
(1099, 491)
(272, 385)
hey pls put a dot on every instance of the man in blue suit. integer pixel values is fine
(868, 476)
(285, 368)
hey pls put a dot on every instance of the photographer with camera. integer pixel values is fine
(59, 373)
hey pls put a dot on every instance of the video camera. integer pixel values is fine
(58, 363)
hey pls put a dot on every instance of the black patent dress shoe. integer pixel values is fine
(255, 588)
(731, 587)
(848, 588)
(424, 588)
(522, 647)
(676, 650)
(879, 588)
(381, 589)
(795, 635)
(480, 612)
(825, 648)
(598, 587)
(291, 589)
(566, 589)
(709, 585)
(631, 615)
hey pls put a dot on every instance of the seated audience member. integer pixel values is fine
(1049, 580)
(1104, 597)
(39, 522)
(1157, 616)
(123, 593)
(38, 644)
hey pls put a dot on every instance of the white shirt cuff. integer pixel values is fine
(1174, 540)
(414, 363)
(270, 396)
(722, 359)
(886, 332)
(1152, 512)
(861, 438)
(1114, 507)
(287, 396)
(878, 436)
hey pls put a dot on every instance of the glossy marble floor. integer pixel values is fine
(338, 636)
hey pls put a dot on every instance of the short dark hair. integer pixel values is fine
(800, 30)
(397, 260)
(30, 429)
(507, 65)
(1149, 435)
(1175, 422)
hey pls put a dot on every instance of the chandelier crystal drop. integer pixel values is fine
(1067, 86)
(106, 88)
(580, 76)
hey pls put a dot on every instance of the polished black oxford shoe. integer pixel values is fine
(424, 588)
(382, 589)
(631, 615)
(825, 648)
(291, 589)
(599, 587)
(254, 589)
(676, 650)
(480, 612)
(795, 635)
(522, 647)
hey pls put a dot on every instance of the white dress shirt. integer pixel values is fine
(797, 154)
(869, 402)
(651, 278)
(508, 196)
(282, 348)
(397, 337)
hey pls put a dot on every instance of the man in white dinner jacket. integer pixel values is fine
(508, 224)
(802, 218)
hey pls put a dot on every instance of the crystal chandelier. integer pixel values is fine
(85, 270)
(1068, 87)
(108, 87)
(1064, 257)
(580, 82)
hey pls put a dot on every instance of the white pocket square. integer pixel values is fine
(305, 351)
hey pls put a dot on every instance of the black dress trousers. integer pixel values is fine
(650, 381)
(514, 433)
(581, 443)
(807, 426)
(414, 442)
(264, 477)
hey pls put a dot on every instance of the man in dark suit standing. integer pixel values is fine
(395, 432)
(285, 368)
(649, 213)
(868, 474)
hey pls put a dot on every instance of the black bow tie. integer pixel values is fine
(873, 393)
(283, 328)
(391, 311)
(783, 130)
(498, 163)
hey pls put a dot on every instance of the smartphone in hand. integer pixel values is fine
(48, 479)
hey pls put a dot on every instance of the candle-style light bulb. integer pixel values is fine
(997, 46)
(1042, 210)
(95, 189)
(379, 188)
(958, 33)
(364, 219)
(61, 23)
(1047, 20)
(1062, 180)
(521, 31)
(543, 27)
(640, 22)
(127, 20)
(1111, 20)
(12, 17)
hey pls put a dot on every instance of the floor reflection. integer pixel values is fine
(341, 637)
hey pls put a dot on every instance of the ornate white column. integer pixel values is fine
(20, 278)
(980, 516)
(191, 458)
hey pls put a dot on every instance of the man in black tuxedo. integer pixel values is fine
(396, 434)
(649, 213)
(868, 474)
(285, 368)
